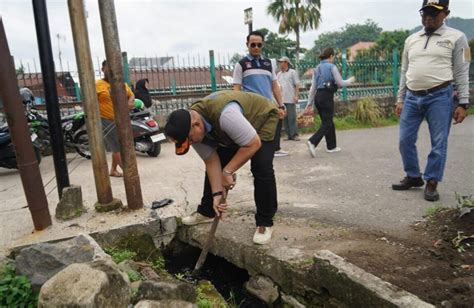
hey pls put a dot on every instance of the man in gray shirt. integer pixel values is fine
(290, 89)
(433, 59)
(227, 129)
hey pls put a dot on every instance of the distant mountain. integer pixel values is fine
(462, 24)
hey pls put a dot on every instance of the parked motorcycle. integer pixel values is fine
(146, 135)
(7, 151)
(73, 127)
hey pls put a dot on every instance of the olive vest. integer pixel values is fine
(261, 113)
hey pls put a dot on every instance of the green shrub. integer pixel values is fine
(367, 111)
(15, 291)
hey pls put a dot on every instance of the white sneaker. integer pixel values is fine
(336, 149)
(311, 148)
(195, 219)
(262, 235)
(281, 153)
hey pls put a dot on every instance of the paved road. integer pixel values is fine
(351, 187)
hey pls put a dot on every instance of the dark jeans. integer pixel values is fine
(278, 135)
(324, 103)
(265, 192)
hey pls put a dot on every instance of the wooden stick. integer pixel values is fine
(207, 245)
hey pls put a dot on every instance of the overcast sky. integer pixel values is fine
(189, 28)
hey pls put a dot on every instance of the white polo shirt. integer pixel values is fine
(428, 61)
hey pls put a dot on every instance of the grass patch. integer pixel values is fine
(350, 122)
(470, 110)
(15, 291)
(119, 255)
(433, 210)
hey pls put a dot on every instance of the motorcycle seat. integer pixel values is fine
(4, 138)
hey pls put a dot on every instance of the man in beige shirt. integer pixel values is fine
(434, 59)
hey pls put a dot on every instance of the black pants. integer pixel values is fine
(265, 192)
(278, 135)
(324, 103)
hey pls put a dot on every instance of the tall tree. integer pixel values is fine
(346, 37)
(277, 46)
(296, 16)
(390, 40)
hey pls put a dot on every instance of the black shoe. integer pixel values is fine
(408, 183)
(431, 194)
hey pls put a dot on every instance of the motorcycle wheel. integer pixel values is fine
(155, 150)
(82, 144)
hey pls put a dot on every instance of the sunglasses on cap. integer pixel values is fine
(256, 45)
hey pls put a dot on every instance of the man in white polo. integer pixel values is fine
(434, 59)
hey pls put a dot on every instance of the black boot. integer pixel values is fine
(408, 182)
(431, 194)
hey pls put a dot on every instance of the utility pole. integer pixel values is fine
(113, 53)
(248, 18)
(26, 160)
(59, 37)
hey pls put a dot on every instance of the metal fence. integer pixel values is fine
(175, 82)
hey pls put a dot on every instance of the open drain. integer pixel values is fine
(228, 279)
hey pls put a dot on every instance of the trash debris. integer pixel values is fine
(161, 203)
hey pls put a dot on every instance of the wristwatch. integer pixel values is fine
(464, 106)
(282, 107)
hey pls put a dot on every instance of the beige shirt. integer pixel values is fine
(429, 61)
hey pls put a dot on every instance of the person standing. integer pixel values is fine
(432, 60)
(256, 74)
(227, 129)
(326, 79)
(107, 115)
(290, 89)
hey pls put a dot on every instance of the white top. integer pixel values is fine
(288, 82)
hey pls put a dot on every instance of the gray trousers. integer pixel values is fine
(289, 121)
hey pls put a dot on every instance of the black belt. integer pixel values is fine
(426, 92)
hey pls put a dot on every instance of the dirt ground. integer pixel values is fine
(428, 265)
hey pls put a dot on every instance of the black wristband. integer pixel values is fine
(282, 107)
(218, 193)
(464, 106)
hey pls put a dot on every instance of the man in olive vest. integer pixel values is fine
(227, 129)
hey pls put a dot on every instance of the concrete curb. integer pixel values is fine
(330, 280)
(353, 285)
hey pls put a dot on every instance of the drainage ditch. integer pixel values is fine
(227, 278)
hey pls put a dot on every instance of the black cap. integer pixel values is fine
(437, 4)
(177, 128)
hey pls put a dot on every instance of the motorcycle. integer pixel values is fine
(146, 135)
(7, 151)
(73, 127)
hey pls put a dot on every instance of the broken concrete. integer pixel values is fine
(113, 205)
(263, 288)
(71, 205)
(160, 290)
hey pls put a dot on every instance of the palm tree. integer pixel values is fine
(294, 16)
